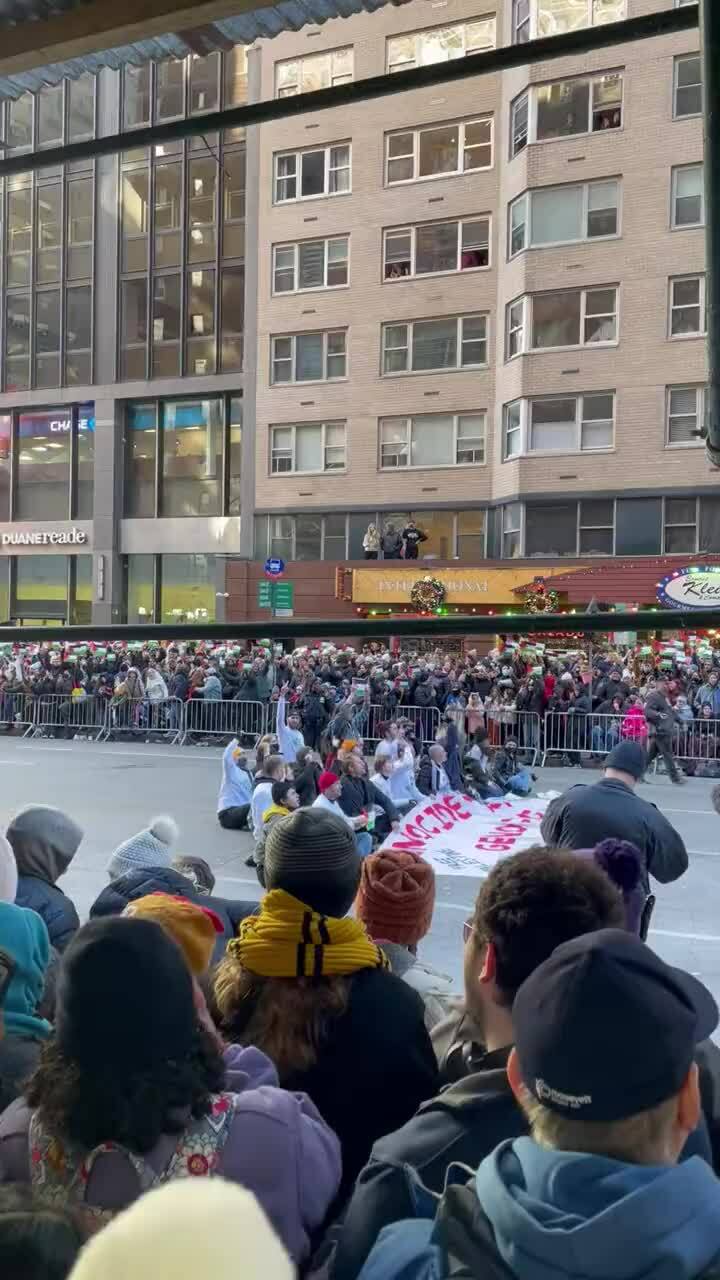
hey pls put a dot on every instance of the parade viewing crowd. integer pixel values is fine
(192, 1085)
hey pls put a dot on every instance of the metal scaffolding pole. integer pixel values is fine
(710, 45)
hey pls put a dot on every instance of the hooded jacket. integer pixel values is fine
(45, 841)
(24, 937)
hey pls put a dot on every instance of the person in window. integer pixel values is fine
(412, 537)
(392, 543)
(371, 542)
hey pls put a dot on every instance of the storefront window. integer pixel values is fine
(41, 587)
(235, 456)
(471, 535)
(140, 455)
(187, 588)
(43, 466)
(192, 458)
(81, 599)
(140, 589)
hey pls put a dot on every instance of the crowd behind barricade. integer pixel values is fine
(255, 1091)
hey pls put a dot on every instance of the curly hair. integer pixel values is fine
(533, 901)
(133, 1109)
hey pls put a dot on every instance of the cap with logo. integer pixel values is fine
(604, 1029)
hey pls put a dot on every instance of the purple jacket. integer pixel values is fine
(279, 1147)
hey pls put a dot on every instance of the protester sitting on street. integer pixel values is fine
(235, 789)
(133, 1089)
(384, 771)
(529, 904)
(24, 961)
(389, 737)
(432, 779)
(395, 903)
(284, 800)
(358, 796)
(306, 771)
(583, 816)
(404, 791)
(38, 1239)
(330, 790)
(45, 841)
(289, 735)
(183, 1231)
(272, 770)
(309, 988)
(508, 773)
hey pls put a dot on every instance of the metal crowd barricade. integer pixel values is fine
(524, 727)
(424, 720)
(15, 709)
(59, 715)
(573, 734)
(697, 744)
(223, 718)
(141, 717)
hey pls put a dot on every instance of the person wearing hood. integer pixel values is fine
(134, 1088)
(186, 1230)
(44, 841)
(25, 955)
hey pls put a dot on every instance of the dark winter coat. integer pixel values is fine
(659, 714)
(44, 842)
(57, 910)
(305, 782)
(358, 795)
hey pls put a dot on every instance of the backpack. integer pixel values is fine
(62, 1175)
(465, 1239)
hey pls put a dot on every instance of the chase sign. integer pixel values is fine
(696, 587)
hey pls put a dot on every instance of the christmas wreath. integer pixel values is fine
(541, 599)
(427, 594)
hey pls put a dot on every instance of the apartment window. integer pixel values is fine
(710, 524)
(679, 525)
(515, 330)
(559, 424)
(688, 197)
(687, 86)
(566, 109)
(572, 318)
(432, 440)
(435, 248)
(536, 18)
(179, 457)
(687, 306)
(564, 215)
(314, 71)
(470, 535)
(440, 44)
(421, 346)
(305, 175)
(551, 529)
(307, 447)
(439, 150)
(512, 530)
(597, 526)
(311, 264)
(308, 357)
(685, 414)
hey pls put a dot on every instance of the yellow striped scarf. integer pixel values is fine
(289, 940)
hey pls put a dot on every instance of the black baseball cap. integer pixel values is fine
(604, 1029)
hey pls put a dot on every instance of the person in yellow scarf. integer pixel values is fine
(305, 984)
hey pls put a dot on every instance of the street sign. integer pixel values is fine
(283, 595)
(264, 595)
(274, 567)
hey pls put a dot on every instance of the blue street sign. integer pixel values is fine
(274, 567)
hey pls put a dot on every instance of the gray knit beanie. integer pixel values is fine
(149, 848)
(312, 855)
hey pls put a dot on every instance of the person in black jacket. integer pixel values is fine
(359, 795)
(661, 719)
(583, 816)
(45, 841)
(307, 770)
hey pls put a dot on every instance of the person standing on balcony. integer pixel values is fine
(412, 537)
(371, 543)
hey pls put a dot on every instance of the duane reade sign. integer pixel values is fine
(44, 537)
(695, 587)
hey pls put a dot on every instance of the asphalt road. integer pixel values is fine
(115, 789)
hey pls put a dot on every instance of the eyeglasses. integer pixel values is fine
(467, 930)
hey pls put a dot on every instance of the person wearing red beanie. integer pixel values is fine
(329, 788)
(395, 902)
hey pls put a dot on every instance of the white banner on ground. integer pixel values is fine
(463, 837)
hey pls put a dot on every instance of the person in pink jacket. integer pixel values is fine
(634, 725)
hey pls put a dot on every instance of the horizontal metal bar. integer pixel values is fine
(586, 40)
(330, 628)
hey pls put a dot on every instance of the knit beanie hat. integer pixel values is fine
(193, 928)
(624, 864)
(8, 872)
(312, 855)
(628, 757)
(149, 848)
(396, 896)
(124, 995)
(187, 1228)
(327, 779)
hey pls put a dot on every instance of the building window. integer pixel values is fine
(685, 415)
(305, 175)
(436, 248)
(564, 215)
(54, 454)
(307, 447)
(140, 588)
(204, 83)
(687, 86)
(551, 529)
(58, 113)
(183, 457)
(566, 109)
(559, 424)
(421, 346)
(311, 264)
(432, 440)
(710, 524)
(597, 526)
(687, 306)
(439, 151)
(136, 95)
(512, 514)
(680, 525)
(187, 588)
(568, 318)
(471, 529)
(337, 536)
(314, 71)
(308, 357)
(440, 44)
(688, 196)
(536, 18)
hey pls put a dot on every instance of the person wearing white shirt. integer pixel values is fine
(329, 788)
(288, 732)
(397, 782)
(235, 789)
